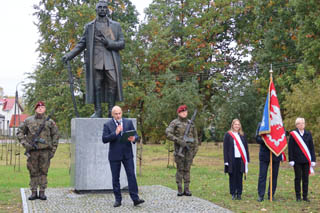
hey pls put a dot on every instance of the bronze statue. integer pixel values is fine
(102, 39)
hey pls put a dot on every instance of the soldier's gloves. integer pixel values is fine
(313, 164)
(27, 146)
(183, 143)
(51, 154)
(291, 163)
(41, 140)
(190, 140)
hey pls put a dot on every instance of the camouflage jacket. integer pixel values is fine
(175, 132)
(49, 133)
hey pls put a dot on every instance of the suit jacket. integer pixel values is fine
(118, 150)
(87, 42)
(295, 153)
(228, 152)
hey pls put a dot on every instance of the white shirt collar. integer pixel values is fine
(116, 122)
(301, 132)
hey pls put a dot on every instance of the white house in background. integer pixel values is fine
(6, 114)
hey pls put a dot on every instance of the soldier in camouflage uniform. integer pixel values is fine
(39, 160)
(175, 132)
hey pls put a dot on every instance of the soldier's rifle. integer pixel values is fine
(186, 138)
(35, 138)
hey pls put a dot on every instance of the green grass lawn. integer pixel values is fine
(207, 180)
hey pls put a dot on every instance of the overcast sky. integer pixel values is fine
(19, 41)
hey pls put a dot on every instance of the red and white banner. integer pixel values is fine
(299, 140)
(242, 150)
(271, 129)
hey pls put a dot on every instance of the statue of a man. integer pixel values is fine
(102, 39)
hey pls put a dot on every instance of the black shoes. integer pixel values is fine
(234, 197)
(117, 204)
(33, 196)
(260, 199)
(137, 202)
(180, 193)
(306, 199)
(42, 196)
(187, 193)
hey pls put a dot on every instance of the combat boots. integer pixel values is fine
(42, 196)
(186, 190)
(180, 193)
(34, 195)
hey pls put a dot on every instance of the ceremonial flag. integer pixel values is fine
(271, 129)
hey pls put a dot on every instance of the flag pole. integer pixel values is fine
(270, 185)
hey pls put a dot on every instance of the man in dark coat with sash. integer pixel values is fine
(102, 39)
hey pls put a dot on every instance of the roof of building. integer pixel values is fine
(19, 119)
(8, 104)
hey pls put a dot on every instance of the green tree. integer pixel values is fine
(268, 30)
(192, 41)
(241, 101)
(308, 31)
(304, 101)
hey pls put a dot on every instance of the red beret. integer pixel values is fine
(182, 108)
(40, 103)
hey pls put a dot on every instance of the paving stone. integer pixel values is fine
(158, 199)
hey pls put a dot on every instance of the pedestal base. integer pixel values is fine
(90, 168)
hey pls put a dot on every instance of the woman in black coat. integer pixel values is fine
(299, 161)
(236, 157)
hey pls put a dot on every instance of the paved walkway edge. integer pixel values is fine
(24, 201)
(159, 199)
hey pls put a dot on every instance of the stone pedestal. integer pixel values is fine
(90, 169)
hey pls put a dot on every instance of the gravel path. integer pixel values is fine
(158, 199)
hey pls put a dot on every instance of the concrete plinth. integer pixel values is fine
(90, 168)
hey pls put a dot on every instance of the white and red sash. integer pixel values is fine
(283, 157)
(298, 139)
(241, 149)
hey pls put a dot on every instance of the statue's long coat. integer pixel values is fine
(87, 42)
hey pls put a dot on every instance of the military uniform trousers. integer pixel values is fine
(184, 166)
(263, 171)
(235, 178)
(38, 165)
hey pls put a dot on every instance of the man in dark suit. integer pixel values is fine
(264, 161)
(121, 152)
